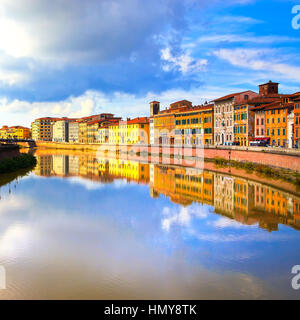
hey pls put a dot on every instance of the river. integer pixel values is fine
(80, 226)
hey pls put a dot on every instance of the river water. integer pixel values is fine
(80, 226)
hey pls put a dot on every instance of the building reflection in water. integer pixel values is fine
(243, 200)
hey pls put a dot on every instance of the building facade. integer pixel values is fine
(243, 124)
(42, 128)
(164, 122)
(277, 122)
(73, 133)
(194, 126)
(60, 131)
(224, 115)
(130, 132)
(15, 132)
(297, 123)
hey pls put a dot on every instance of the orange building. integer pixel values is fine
(277, 121)
(243, 124)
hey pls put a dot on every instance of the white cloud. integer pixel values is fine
(86, 183)
(81, 30)
(181, 217)
(259, 60)
(232, 38)
(93, 101)
(227, 223)
(183, 62)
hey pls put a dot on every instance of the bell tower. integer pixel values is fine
(268, 88)
(154, 108)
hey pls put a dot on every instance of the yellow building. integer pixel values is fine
(183, 186)
(130, 132)
(15, 132)
(3, 132)
(194, 126)
(114, 136)
(164, 122)
(130, 170)
(82, 133)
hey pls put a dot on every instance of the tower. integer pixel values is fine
(268, 88)
(154, 108)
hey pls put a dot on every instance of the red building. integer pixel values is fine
(297, 122)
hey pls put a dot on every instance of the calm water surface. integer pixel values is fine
(79, 226)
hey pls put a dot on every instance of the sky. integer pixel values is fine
(76, 58)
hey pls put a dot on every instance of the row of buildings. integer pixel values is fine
(15, 132)
(240, 199)
(237, 118)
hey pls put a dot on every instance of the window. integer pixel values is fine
(262, 132)
(278, 120)
(257, 121)
(262, 121)
(278, 132)
(283, 132)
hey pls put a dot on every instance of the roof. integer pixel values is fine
(230, 96)
(268, 83)
(103, 120)
(181, 101)
(264, 100)
(136, 120)
(19, 127)
(207, 107)
(279, 105)
(154, 101)
(57, 119)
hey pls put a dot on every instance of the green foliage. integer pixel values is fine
(22, 161)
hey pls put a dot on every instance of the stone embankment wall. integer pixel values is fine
(281, 158)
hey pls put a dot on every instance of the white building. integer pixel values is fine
(73, 132)
(151, 129)
(224, 116)
(60, 131)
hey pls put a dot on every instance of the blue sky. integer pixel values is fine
(58, 59)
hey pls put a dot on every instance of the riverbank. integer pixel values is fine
(273, 157)
(21, 161)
